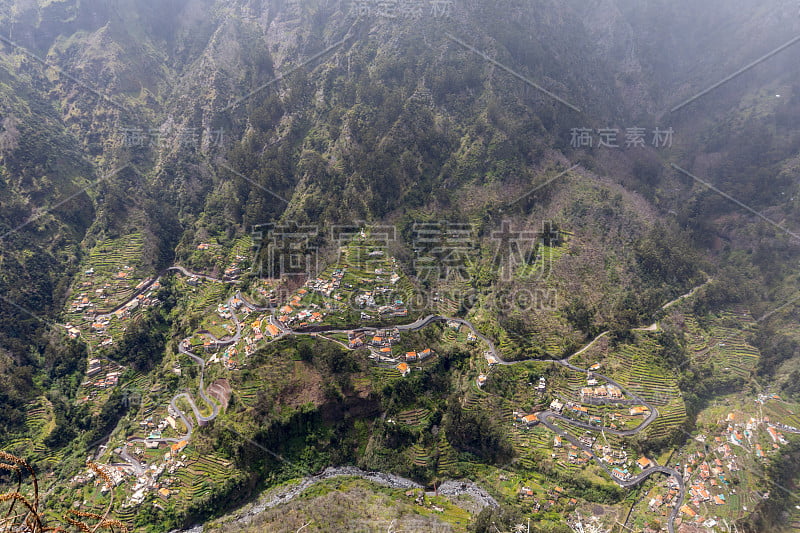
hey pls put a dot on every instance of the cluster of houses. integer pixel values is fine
(233, 270)
(264, 326)
(380, 343)
(744, 433)
(765, 397)
(90, 295)
(326, 287)
(295, 313)
(116, 473)
(99, 324)
(228, 357)
(100, 375)
(355, 339)
(368, 298)
(581, 412)
(395, 309)
(709, 475)
(613, 456)
(147, 479)
(662, 504)
(594, 390)
(150, 481)
(706, 480)
(149, 424)
(383, 339)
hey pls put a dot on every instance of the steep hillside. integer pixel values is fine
(135, 137)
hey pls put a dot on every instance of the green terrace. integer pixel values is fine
(720, 340)
(108, 277)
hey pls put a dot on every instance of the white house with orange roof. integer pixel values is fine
(404, 368)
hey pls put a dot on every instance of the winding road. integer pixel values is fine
(198, 415)
(546, 417)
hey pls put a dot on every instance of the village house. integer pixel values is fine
(525, 493)
(355, 340)
(685, 509)
(621, 474)
(528, 420)
(776, 436)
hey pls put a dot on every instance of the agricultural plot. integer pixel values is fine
(721, 340)
(384, 376)
(782, 412)
(635, 367)
(39, 418)
(670, 416)
(109, 277)
(414, 418)
(448, 457)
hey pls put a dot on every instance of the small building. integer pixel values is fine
(95, 366)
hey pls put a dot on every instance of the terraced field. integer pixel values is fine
(634, 367)
(247, 395)
(385, 376)
(419, 455)
(415, 418)
(448, 457)
(39, 418)
(723, 342)
(779, 411)
(670, 416)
